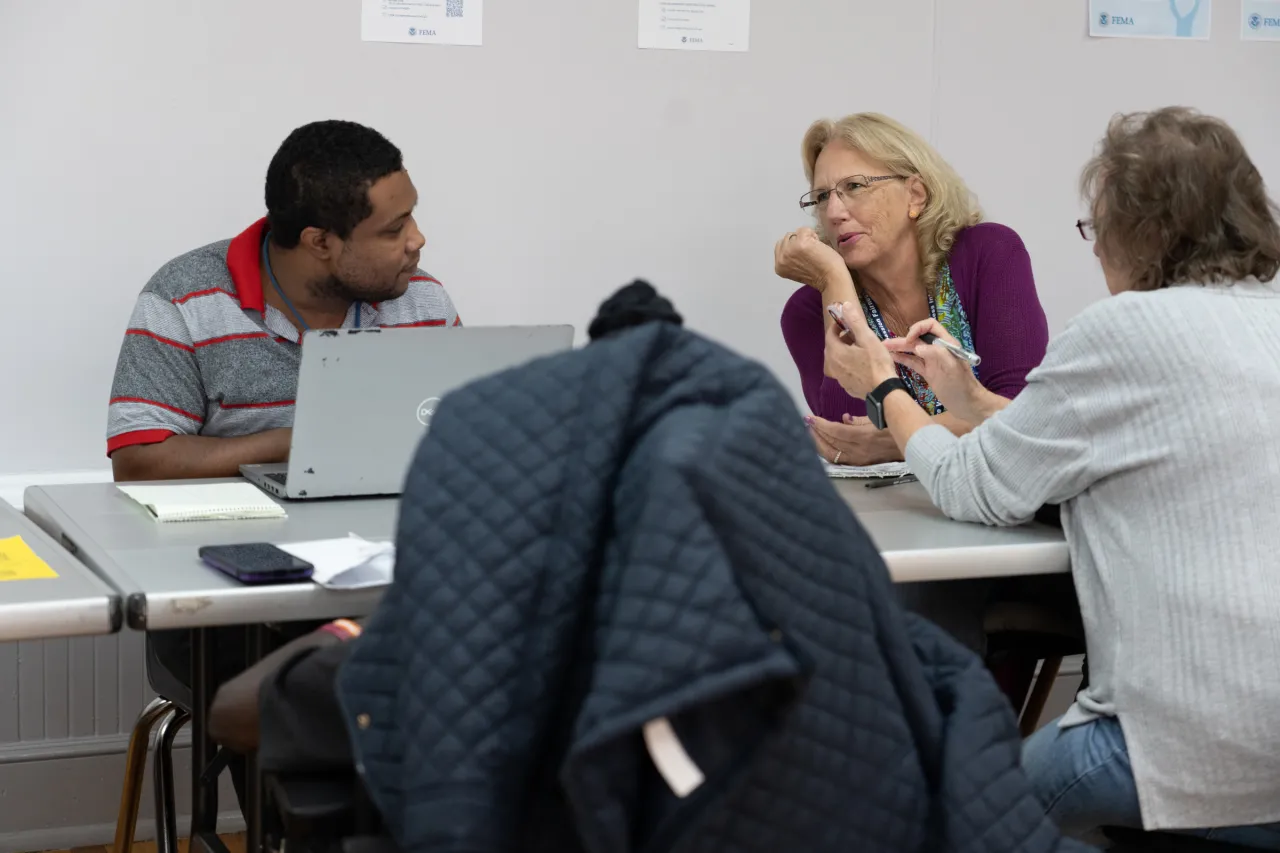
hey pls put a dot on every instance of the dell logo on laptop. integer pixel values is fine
(426, 409)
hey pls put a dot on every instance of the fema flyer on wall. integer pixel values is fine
(695, 24)
(1260, 20)
(1150, 19)
(422, 21)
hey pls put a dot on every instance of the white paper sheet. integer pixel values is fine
(1150, 19)
(695, 24)
(351, 563)
(423, 21)
(1260, 20)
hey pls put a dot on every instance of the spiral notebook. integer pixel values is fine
(207, 502)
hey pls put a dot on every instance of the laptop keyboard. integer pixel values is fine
(282, 479)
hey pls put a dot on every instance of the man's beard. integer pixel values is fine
(334, 287)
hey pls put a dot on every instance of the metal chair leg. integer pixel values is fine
(162, 770)
(162, 782)
(1039, 696)
(135, 767)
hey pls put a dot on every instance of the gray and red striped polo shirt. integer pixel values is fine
(205, 355)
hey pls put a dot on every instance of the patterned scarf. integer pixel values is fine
(945, 307)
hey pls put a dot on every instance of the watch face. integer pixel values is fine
(875, 412)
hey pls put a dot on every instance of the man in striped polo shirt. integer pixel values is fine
(206, 377)
(208, 370)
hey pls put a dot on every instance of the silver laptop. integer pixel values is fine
(366, 396)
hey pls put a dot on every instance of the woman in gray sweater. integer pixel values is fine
(1154, 420)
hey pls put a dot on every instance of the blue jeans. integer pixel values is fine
(1082, 777)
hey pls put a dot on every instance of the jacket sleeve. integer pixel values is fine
(984, 799)
(451, 693)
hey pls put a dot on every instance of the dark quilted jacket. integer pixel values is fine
(641, 529)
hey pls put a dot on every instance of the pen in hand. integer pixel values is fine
(972, 358)
(959, 352)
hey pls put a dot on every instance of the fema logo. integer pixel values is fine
(413, 31)
(1255, 21)
(1104, 19)
(427, 410)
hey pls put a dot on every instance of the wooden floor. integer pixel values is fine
(235, 843)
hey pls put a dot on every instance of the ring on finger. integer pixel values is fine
(836, 461)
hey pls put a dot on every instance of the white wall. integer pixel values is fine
(1024, 95)
(554, 163)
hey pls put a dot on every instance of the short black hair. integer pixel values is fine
(320, 178)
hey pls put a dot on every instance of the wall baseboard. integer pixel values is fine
(101, 834)
(62, 794)
(13, 485)
(60, 749)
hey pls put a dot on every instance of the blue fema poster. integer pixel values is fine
(1150, 19)
(1260, 20)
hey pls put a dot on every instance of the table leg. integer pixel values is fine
(255, 648)
(204, 784)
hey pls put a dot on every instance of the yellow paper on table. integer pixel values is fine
(19, 563)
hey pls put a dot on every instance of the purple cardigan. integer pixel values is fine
(991, 271)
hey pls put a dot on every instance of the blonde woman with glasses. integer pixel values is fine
(898, 234)
(1154, 422)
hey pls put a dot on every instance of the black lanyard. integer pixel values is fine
(302, 324)
(877, 322)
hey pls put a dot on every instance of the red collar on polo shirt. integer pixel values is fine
(244, 262)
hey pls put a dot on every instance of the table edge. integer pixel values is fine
(95, 616)
(976, 562)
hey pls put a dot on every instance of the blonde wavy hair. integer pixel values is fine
(950, 206)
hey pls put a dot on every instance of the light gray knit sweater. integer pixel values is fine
(1155, 420)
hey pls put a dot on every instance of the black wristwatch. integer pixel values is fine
(875, 400)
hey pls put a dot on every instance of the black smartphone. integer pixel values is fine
(257, 563)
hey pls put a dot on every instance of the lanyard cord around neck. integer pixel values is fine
(302, 324)
(882, 329)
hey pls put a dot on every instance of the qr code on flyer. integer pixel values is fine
(453, 9)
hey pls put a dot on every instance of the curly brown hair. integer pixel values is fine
(1176, 200)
